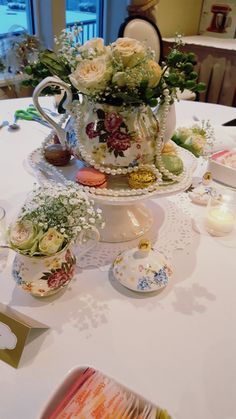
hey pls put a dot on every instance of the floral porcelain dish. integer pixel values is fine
(142, 269)
(43, 276)
(53, 218)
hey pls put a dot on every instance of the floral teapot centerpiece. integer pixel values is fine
(54, 218)
(124, 113)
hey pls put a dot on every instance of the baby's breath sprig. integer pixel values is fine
(64, 208)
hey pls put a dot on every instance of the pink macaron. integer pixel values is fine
(88, 176)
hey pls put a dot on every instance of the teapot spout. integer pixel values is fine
(52, 81)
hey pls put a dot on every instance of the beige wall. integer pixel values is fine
(180, 16)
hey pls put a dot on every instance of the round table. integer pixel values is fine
(176, 348)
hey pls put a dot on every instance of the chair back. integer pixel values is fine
(144, 30)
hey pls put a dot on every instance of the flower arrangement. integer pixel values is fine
(123, 72)
(52, 217)
(197, 138)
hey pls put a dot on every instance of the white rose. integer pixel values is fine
(92, 76)
(184, 133)
(51, 242)
(129, 51)
(92, 48)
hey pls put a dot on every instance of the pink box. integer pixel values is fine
(220, 171)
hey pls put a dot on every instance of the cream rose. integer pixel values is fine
(92, 76)
(51, 242)
(93, 48)
(23, 236)
(154, 73)
(129, 51)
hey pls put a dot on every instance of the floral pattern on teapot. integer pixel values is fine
(43, 276)
(110, 130)
(113, 136)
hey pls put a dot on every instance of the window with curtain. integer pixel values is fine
(86, 13)
(15, 16)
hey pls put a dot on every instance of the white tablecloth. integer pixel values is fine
(176, 348)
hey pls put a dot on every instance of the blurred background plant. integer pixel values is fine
(60, 64)
(18, 50)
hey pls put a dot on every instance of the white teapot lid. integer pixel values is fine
(142, 269)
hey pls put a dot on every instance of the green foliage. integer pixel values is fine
(179, 71)
(48, 64)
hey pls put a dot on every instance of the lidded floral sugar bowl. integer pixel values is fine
(142, 269)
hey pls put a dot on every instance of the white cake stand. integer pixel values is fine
(126, 217)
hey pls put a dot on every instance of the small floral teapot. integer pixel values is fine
(105, 135)
(43, 276)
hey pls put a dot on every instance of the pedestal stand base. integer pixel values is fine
(125, 222)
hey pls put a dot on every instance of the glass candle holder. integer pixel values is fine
(220, 218)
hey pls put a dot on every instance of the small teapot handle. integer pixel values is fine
(52, 81)
(86, 240)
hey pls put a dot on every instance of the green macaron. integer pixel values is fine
(172, 163)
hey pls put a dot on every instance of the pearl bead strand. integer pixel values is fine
(160, 138)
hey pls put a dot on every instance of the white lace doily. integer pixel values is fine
(172, 232)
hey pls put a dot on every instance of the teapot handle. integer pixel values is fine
(52, 81)
(170, 120)
(86, 240)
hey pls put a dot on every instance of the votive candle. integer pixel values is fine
(220, 220)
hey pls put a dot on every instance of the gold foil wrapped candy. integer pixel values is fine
(144, 245)
(207, 178)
